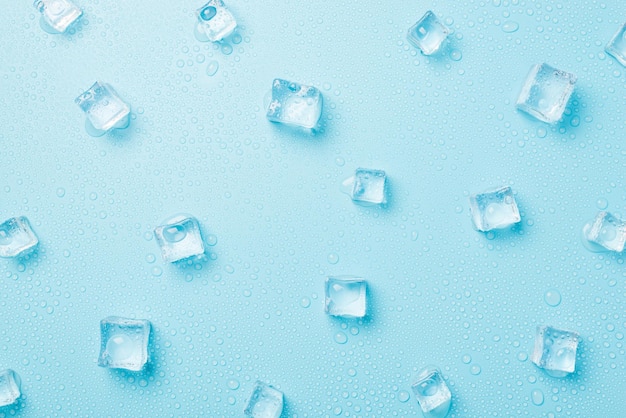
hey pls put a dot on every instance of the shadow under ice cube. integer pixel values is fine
(58, 14)
(494, 209)
(179, 238)
(369, 186)
(428, 33)
(215, 20)
(10, 387)
(607, 231)
(617, 46)
(295, 104)
(346, 297)
(432, 393)
(265, 402)
(555, 350)
(17, 237)
(103, 107)
(546, 93)
(124, 343)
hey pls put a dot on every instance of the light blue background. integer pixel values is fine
(269, 200)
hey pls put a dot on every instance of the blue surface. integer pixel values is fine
(276, 222)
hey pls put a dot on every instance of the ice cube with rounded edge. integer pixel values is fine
(369, 186)
(17, 238)
(179, 238)
(346, 296)
(295, 104)
(494, 209)
(607, 231)
(428, 33)
(265, 402)
(215, 20)
(555, 350)
(124, 343)
(103, 107)
(617, 46)
(546, 92)
(432, 393)
(58, 14)
(10, 387)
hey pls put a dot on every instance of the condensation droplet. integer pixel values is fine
(552, 297)
(212, 67)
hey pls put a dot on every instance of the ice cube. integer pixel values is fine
(494, 209)
(432, 393)
(617, 46)
(428, 33)
(546, 93)
(58, 14)
(104, 108)
(124, 343)
(369, 186)
(265, 402)
(555, 350)
(295, 104)
(607, 231)
(215, 20)
(346, 297)
(17, 237)
(179, 238)
(10, 386)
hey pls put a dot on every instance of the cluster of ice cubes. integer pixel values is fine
(10, 387)
(265, 402)
(17, 238)
(124, 343)
(215, 21)
(57, 15)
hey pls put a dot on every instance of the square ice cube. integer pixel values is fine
(494, 209)
(17, 237)
(370, 186)
(124, 343)
(432, 393)
(546, 93)
(10, 385)
(555, 350)
(216, 21)
(346, 297)
(295, 104)
(265, 402)
(104, 108)
(607, 231)
(58, 14)
(179, 238)
(617, 46)
(428, 33)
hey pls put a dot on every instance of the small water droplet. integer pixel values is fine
(475, 370)
(510, 26)
(333, 258)
(602, 203)
(340, 338)
(552, 297)
(404, 396)
(305, 302)
(537, 397)
(212, 68)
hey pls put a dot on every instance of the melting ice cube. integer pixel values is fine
(295, 104)
(58, 14)
(617, 46)
(546, 93)
(607, 231)
(428, 33)
(17, 237)
(103, 107)
(265, 402)
(494, 209)
(124, 343)
(346, 297)
(10, 387)
(215, 20)
(179, 238)
(369, 186)
(555, 350)
(432, 393)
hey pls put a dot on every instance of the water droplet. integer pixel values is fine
(404, 396)
(233, 384)
(510, 26)
(305, 302)
(227, 49)
(537, 397)
(552, 297)
(333, 258)
(60, 192)
(212, 67)
(340, 338)
(602, 203)
(467, 359)
(456, 55)
(475, 370)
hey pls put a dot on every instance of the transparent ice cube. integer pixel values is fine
(179, 238)
(17, 237)
(432, 393)
(295, 104)
(494, 209)
(346, 297)
(546, 93)
(607, 231)
(58, 14)
(265, 402)
(369, 186)
(103, 107)
(555, 350)
(215, 20)
(124, 343)
(428, 33)
(10, 387)
(617, 46)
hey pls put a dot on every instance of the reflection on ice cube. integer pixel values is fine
(124, 343)
(265, 402)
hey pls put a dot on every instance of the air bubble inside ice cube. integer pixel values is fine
(17, 237)
(10, 387)
(215, 21)
(295, 104)
(105, 110)
(555, 350)
(124, 343)
(432, 393)
(607, 231)
(428, 33)
(546, 92)
(179, 238)
(57, 15)
(346, 296)
(265, 402)
(617, 45)
(494, 209)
